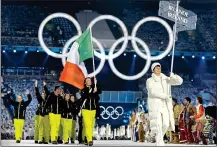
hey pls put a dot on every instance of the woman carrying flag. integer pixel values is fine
(90, 95)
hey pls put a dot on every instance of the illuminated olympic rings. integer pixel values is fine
(111, 54)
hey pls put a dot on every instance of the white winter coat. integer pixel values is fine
(156, 96)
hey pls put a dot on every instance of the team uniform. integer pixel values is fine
(89, 106)
(19, 116)
(41, 119)
(55, 105)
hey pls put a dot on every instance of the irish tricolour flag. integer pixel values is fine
(75, 71)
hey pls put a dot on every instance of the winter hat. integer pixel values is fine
(154, 65)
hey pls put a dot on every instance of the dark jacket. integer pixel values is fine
(54, 103)
(78, 104)
(20, 108)
(69, 110)
(75, 110)
(41, 110)
(91, 98)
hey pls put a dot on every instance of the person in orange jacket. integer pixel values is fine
(200, 120)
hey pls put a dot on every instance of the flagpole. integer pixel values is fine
(93, 56)
(174, 41)
(174, 35)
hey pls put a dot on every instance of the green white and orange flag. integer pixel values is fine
(75, 71)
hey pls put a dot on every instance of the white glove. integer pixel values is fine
(172, 75)
(95, 90)
(169, 98)
(27, 92)
(44, 83)
(79, 114)
(36, 83)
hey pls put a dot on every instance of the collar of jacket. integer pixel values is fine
(162, 76)
(189, 107)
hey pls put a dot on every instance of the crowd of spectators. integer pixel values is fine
(207, 31)
(22, 28)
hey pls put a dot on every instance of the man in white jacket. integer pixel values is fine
(160, 106)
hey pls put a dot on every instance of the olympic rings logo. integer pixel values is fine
(111, 112)
(111, 54)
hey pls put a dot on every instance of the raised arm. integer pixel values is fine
(99, 91)
(153, 93)
(175, 80)
(47, 92)
(37, 93)
(10, 100)
(26, 103)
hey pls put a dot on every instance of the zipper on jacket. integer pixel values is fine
(90, 103)
(57, 105)
(94, 103)
(46, 103)
(23, 112)
(42, 107)
(18, 110)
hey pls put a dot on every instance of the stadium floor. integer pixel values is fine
(96, 143)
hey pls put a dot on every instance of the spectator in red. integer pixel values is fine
(200, 120)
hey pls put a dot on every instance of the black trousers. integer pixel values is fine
(80, 130)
